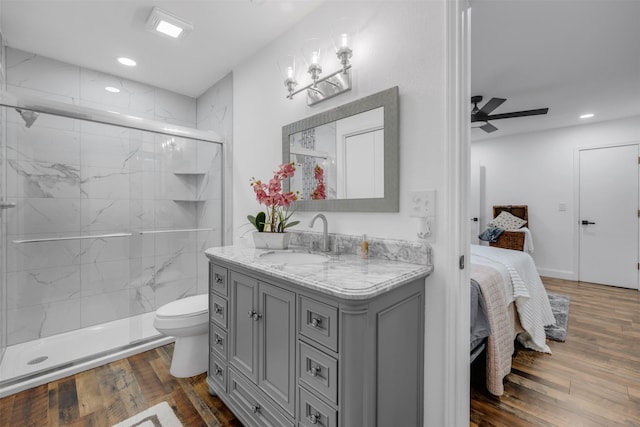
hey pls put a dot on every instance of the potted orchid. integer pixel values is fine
(271, 225)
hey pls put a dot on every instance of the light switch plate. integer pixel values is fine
(422, 203)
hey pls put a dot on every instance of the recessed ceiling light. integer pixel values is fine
(167, 24)
(127, 61)
(586, 116)
(112, 89)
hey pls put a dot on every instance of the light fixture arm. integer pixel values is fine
(326, 87)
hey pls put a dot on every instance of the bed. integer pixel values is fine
(516, 306)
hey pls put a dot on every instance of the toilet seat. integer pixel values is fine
(197, 305)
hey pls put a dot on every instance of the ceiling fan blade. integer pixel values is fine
(488, 128)
(519, 114)
(492, 105)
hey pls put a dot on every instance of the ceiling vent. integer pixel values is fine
(168, 25)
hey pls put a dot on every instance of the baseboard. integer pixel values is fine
(557, 274)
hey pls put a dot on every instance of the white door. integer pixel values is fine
(609, 216)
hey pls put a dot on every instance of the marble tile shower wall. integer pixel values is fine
(73, 178)
(3, 289)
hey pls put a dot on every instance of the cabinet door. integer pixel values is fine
(277, 344)
(243, 331)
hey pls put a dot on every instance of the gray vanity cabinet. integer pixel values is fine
(262, 336)
(299, 357)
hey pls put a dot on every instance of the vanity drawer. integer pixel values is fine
(255, 407)
(218, 279)
(218, 341)
(218, 371)
(318, 371)
(218, 310)
(319, 322)
(313, 412)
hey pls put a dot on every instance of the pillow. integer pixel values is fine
(507, 221)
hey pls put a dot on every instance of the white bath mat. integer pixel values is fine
(160, 415)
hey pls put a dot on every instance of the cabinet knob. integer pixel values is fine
(217, 309)
(254, 315)
(219, 279)
(315, 322)
(314, 418)
(218, 371)
(314, 371)
(218, 340)
(255, 409)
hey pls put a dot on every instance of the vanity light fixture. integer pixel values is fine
(167, 24)
(326, 87)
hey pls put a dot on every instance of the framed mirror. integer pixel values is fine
(347, 158)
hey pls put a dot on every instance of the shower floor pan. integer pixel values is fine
(47, 359)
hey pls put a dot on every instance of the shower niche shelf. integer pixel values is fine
(189, 200)
(189, 173)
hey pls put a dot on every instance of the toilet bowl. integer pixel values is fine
(187, 320)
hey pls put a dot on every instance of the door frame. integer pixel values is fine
(576, 200)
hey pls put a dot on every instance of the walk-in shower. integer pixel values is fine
(105, 217)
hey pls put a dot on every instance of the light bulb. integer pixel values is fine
(344, 40)
(314, 57)
(290, 72)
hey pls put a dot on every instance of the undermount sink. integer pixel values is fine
(292, 258)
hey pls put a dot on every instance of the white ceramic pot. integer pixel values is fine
(268, 240)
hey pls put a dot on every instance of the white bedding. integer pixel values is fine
(523, 286)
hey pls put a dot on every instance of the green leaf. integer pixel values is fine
(260, 221)
(291, 224)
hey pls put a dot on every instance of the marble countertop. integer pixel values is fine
(346, 276)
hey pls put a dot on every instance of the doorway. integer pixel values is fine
(608, 215)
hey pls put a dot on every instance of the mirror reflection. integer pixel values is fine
(343, 159)
(346, 158)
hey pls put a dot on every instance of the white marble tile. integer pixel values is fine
(142, 300)
(105, 183)
(44, 285)
(170, 214)
(210, 214)
(174, 154)
(175, 108)
(177, 266)
(104, 277)
(105, 216)
(106, 151)
(42, 180)
(34, 216)
(134, 98)
(143, 272)
(168, 185)
(40, 143)
(43, 74)
(106, 249)
(31, 256)
(41, 321)
(170, 243)
(47, 121)
(97, 309)
(171, 291)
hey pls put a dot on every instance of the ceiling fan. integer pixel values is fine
(481, 115)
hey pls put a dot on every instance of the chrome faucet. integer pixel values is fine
(324, 247)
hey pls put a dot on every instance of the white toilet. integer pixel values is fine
(187, 320)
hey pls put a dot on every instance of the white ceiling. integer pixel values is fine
(93, 33)
(573, 56)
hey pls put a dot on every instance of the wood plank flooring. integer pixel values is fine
(109, 394)
(592, 379)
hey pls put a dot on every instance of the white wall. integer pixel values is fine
(537, 169)
(399, 43)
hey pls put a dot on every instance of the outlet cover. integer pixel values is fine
(422, 203)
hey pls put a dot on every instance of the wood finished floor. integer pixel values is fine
(112, 393)
(592, 379)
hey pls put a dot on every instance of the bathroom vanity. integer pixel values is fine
(308, 339)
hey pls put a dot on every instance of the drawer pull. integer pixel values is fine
(315, 322)
(254, 315)
(218, 371)
(255, 409)
(218, 340)
(219, 279)
(217, 309)
(315, 370)
(314, 418)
